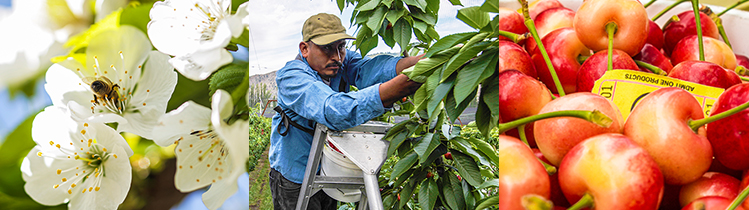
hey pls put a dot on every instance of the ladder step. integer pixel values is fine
(338, 182)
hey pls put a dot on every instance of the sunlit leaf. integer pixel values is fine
(402, 32)
(425, 147)
(420, 25)
(474, 17)
(456, 3)
(467, 53)
(427, 66)
(394, 14)
(455, 110)
(421, 4)
(366, 5)
(488, 202)
(404, 164)
(427, 17)
(474, 73)
(439, 93)
(490, 6)
(341, 4)
(375, 21)
(485, 148)
(489, 183)
(448, 42)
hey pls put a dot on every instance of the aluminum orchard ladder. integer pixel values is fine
(364, 146)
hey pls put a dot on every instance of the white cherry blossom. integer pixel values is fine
(195, 32)
(209, 151)
(82, 163)
(120, 80)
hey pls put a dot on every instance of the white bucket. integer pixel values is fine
(335, 164)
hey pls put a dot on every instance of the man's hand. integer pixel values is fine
(406, 62)
(397, 88)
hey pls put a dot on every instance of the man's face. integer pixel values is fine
(325, 59)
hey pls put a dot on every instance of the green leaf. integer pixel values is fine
(474, 73)
(420, 98)
(467, 167)
(432, 33)
(425, 147)
(137, 15)
(387, 35)
(80, 40)
(428, 193)
(388, 3)
(488, 202)
(428, 17)
(394, 14)
(185, 90)
(243, 39)
(490, 93)
(402, 32)
(475, 39)
(14, 149)
(462, 145)
(364, 32)
(363, 16)
(462, 57)
(367, 45)
(448, 42)
(421, 4)
(397, 141)
(420, 25)
(375, 21)
(456, 3)
(450, 131)
(433, 5)
(439, 93)
(228, 77)
(427, 67)
(485, 148)
(490, 6)
(367, 5)
(489, 183)
(403, 178)
(457, 190)
(455, 110)
(468, 195)
(452, 196)
(404, 164)
(436, 153)
(484, 118)
(406, 192)
(474, 17)
(341, 4)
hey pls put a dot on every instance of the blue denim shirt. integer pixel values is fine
(306, 99)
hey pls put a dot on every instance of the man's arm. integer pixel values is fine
(400, 86)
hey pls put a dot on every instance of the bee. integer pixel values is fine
(103, 89)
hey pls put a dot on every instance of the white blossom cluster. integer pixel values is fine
(122, 85)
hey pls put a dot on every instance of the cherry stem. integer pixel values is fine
(581, 58)
(739, 199)
(550, 169)
(667, 9)
(594, 116)
(521, 133)
(536, 202)
(696, 9)
(696, 124)
(585, 202)
(740, 70)
(651, 67)
(611, 28)
(649, 3)
(532, 29)
(513, 36)
(744, 79)
(722, 31)
(732, 6)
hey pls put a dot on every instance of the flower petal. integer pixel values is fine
(236, 137)
(198, 163)
(140, 123)
(40, 174)
(221, 107)
(109, 138)
(222, 35)
(219, 192)
(201, 64)
(63, 85)
(106, 46)
(115, 184)
(180, 122)
(173, 36)
(243, 12)
(157, 84)
(49, 126)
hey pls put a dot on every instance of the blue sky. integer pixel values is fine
(276, 28)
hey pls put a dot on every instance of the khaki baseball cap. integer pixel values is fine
(324, 29)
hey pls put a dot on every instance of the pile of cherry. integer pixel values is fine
(574, 149)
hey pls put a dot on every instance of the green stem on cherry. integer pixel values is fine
(513, 36)
(722, 31)
(732, 6)
(611, 28)
(595, 116)
(536, 202)
(740, 70)
(521, 133)
(651, 68)
(667, 9)
(696, 124)
(585, 202)
(739, 199)
(696, 9)
(646, 5)
(581, 58)
(532, 29)
(550, 169)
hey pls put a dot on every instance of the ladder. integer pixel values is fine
(364, 146)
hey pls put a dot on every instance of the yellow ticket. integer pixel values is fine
(626, 87)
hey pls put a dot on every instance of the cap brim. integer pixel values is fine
(330, 38)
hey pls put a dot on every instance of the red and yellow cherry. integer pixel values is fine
(711, 203)
(716, 52)
(521, 96)
(513, 56)
(659, 123)
(520, 173)
(705, 73)
(655, 35)
(539, 6)
(511, 21)
(615, 171)
(710, 184)
(556, 136)
(674, 31)
(548, 21)
(653, 56)
(629, 16)
(595, 66)
(563, 48)
(728, 136)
